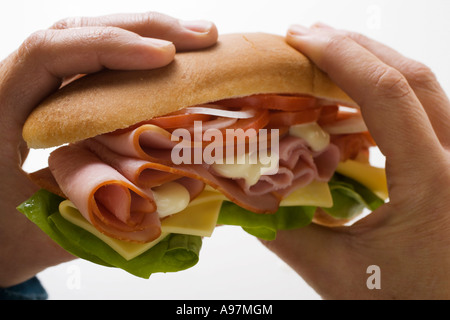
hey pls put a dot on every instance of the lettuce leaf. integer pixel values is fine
(350, 198)
(265, 226)
(174, 253)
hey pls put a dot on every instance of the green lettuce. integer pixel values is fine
(265, 226)
(350, 198)
(174, 253)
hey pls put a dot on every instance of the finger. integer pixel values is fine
(421, 79)
(391, 110)
(46, 57)
(186, 35)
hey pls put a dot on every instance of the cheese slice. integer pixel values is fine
(372, 177)
(197, 220)
(315, 194)
(128, 250)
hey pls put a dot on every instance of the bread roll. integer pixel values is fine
(238, 65)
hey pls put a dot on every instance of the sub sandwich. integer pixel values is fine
(146, 163)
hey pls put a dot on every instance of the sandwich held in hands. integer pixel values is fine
(247, 132)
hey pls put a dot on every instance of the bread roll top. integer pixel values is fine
(238, 65)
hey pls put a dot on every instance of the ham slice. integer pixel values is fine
(299, 166)
(147, 142)
(138, 171)
(109, 201)
(269, 183)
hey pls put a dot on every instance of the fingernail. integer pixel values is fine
(298, 30)
(157, 42)
(199, 26)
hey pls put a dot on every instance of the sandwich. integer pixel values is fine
(146, 163)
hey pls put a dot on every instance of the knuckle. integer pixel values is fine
(152, 17)
(35, 44)
(70, 22)
(419, 74)
(390, 83)
(356, 36)
(103, 34)
(161, 24)
(65, 23)
(335, 42)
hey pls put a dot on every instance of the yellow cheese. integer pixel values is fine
(208, 194)
(197, 219)
(372, 177)
(128, 250)
(315, 194)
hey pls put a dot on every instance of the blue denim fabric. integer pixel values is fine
(28, 290)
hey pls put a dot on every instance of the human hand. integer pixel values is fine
(408, 115)
(47, 58)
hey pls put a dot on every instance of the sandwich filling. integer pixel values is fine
(140, 184)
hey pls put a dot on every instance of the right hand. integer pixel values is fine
(408, 115)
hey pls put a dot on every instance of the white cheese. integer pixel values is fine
(170, 198)
(312, 133)
(244, 167)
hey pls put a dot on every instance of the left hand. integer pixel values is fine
(38, 68)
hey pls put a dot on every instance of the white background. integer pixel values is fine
(233, 265)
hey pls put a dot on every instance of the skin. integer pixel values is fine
(42, 63)
(408, 115)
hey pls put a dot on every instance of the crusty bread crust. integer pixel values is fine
(238, 65)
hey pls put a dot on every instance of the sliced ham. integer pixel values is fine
(138, 171)
(298, 167)
(268, 183)
(147, 142)
(113, 204)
